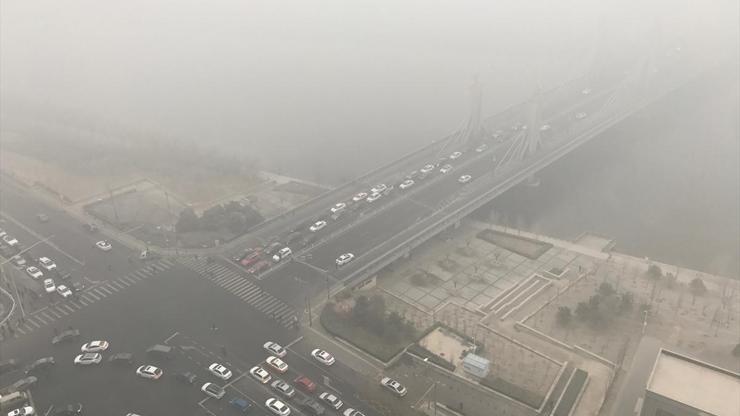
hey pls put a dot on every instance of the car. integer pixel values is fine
(250, 259)
(338, 207)
(455, 155)
(482, 148)
(304, 383)
(317, 226)
(8, 365)
(49, 286)
(427, 168)
(408, 183)
(344, 259)
(242, 405)
(64, 291)
(103, 245)
(121, 358)
(277, 407)
(259, 267)
(283, 388)
(310, 406)
(149, 371)
(322, 356)
(95, 346)
(359, 196)
(374, 197)
(65, 336)
(352, 412)
(277, 364)
(24, 384)
(23, 411)
(378, 188)
(464, 178)
(395, 387)
(90, 227)
(68, 409)
(331, 400)
(586, 91)
(10, 240)
(77, 287)
(275, 349)
(34, 272)
(581, 116)
(282, 254)
(213, 390)
(220, 371)
(18, 261)
(445, 169)
(186, 377)
(545, 127)
(260, 374)
(47, 263)
(40, 365)
(88, 358)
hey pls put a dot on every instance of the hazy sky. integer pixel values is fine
(285, 80)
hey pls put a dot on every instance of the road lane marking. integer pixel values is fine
(38, 236)
(170, 337)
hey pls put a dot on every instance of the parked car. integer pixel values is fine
(277, 364)
(104, 245)
(64, 291)
(352, 412)
(310, 406)
(220, 371)
(260, 374)
(34, 272)
(150, 372)
(242, 405)
(304, 383)
(338, 207)
(394, 386)
(47, 263)
(277, 407)
(331, 400)
(24, 383)
(359, 196)
(88, 358)
(95, 346)
(121, 358)
(50, 286)
(282, 254)
(18, 261)
(187, 377)
(464, 178)
(40, 365)
(64, 336)
(275, 349)
(283, 388)
(213, 390)
(322, 356)
(259, 267)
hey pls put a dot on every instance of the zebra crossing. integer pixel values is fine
(49, 314)
(244, 289)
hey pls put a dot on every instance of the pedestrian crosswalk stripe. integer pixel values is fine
(62, 311)
(54, 313)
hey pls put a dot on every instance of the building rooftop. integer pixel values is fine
(695, 383)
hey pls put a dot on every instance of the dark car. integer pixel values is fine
(68, 335)
(8, 365)
(310, 406)
(24, 383)
(91, 228)
(273, 248)
(304, 383)
(40, 365)
(121, 358)
(242, 405)
(77, 287)
(68, 410)
(187, 377)
(42, 217)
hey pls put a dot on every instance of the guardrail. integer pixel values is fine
(401, 249)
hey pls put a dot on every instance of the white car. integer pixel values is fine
(283, 388)
(352, 412)
(345, 258)
(359, 197)
(338, 207)
(277, 407)
(104, 245)
(586, 91)
(408, 183)
(220, 371)
(95, 346)
(18, 261)
(464, 178)
(331, 400)
(10, 240)
(34, 272)
(581, 116)
(260, 374)
(64, 291)
(317, 226)
(378, 188)
(395, 387)
(47, 264)
(455, 155)
(88, 358)
(279, 365)
(374, 197)
(284, 253)
(150, 372)
(275, 349)
(213, 390)
(445, 169)
(427, 168)
(23, 411)
(481, 148)
(545, 127)
(323, 357)
(49, 286)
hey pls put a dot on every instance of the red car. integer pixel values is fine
(259, 267)
(304, 383)
(250, 259)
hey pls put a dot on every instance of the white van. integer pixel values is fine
(284, 253)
